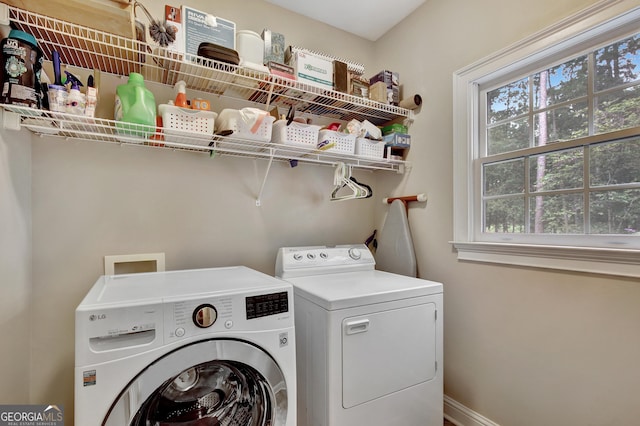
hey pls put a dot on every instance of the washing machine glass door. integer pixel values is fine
(214, 382)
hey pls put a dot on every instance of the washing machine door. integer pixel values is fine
(212, 382)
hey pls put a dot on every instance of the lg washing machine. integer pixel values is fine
(195, 347)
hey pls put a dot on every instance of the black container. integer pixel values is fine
(20, 67)
(218, 53)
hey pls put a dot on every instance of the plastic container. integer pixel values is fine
(20, 66)
(250, 46)
(189, 126)
(135, 108)
(369, 148)
(295, 134)
(394, 128)
(247, 123)
(343, 143)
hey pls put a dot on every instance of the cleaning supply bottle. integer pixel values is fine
(75, 99)
(181, 96)
(91, 98)
(135, 108)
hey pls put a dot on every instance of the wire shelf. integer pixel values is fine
(75, 127)
(94, 49)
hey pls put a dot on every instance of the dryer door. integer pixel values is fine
(212, 382)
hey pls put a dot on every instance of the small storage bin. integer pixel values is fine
(248, 123)
(369, 148)
(295, 134)
(343, 143)
(189, 126)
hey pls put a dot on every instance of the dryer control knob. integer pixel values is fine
(205, 315)
(355, 253)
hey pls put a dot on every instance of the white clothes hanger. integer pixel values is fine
(342, 179)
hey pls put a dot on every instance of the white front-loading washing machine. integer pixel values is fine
(369, 343)
(194, 347)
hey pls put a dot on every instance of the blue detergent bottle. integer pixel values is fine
(135, 108)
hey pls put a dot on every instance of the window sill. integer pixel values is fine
(616, 262)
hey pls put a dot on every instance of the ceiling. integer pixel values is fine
(369, 19)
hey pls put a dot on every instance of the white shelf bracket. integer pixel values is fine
(4, 14)
(264, 181)
(10, 120)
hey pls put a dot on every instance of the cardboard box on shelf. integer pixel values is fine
(358, 86)
(389, 78)
(281, 70)
(273, 46)
(201, 27)
(378, 92)
(340, 76)
(173, 17)
(311, 69)
(392, 82)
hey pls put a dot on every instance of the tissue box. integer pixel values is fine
(197, 29)
(397, 140)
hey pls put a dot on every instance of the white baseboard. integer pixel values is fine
(461, 415)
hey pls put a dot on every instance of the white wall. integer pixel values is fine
(522, 346)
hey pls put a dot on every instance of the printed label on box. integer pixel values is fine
(200, 27)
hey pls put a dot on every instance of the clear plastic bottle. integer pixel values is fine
(135, 108)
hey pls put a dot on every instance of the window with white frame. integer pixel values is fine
(547, 157)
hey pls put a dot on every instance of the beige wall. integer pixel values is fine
(92, 200)
(522, 346)
(15, 267)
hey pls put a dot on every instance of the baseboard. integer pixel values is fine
(461, 415)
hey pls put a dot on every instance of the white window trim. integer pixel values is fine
(603, 17)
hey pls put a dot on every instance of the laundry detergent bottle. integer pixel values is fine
(135, 108)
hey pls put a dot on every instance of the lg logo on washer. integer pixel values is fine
(95, 317)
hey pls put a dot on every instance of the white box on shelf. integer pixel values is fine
(311, 69)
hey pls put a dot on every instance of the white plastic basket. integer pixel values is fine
(343, 143)
(369, 148)
(247, 123)
(186, 125)
(296, 134)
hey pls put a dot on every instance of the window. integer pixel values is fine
(547, 137)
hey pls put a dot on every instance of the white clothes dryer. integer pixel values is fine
(369, 343)
(194, 347)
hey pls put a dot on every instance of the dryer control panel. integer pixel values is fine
(294, 262)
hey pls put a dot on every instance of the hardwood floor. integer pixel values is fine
(448, 423)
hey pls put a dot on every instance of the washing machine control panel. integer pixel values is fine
(302, 261)
(251, 311)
